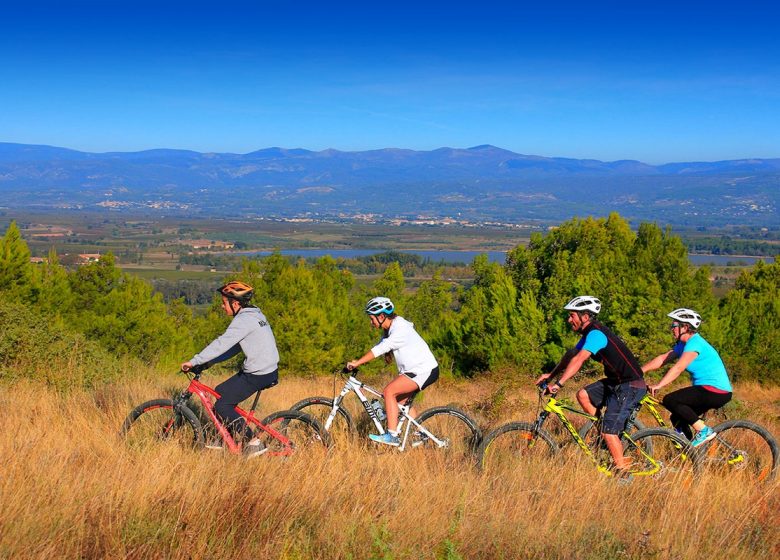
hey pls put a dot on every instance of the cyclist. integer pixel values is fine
(711, 386)
(622, 388)
(416, 365)
(249, 332)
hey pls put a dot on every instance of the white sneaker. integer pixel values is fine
(254, 448)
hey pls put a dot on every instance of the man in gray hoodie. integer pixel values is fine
(248, 332)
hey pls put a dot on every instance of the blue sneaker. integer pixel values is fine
(387, 438)
(705, 435)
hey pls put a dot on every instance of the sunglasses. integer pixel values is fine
(676, 325)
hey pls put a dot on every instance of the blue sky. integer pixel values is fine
(655, 81)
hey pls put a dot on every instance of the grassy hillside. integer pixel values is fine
(71, 489)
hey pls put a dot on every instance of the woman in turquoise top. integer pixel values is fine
(711, 386)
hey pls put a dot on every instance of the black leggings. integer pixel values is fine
(686, 405)
(233, 391)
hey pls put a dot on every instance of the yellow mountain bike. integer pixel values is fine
(657, 452)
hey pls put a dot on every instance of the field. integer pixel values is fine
(70, 488)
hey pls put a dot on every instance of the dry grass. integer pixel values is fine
(69, 488)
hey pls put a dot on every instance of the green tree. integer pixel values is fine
(491, 331)
(391, 284)
(15, 267)
(748, 330)
(638, 276)
(54, 293)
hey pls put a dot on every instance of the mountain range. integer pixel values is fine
(483, 183)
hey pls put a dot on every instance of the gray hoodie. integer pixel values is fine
(249, 332)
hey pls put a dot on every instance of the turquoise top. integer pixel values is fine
(707, 368)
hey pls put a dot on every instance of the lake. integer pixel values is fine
(468, 256)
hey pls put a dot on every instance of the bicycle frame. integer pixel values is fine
(553, 406)
(405, 422)
(650, 403)
(206, 394)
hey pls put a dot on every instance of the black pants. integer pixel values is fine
(233, 391)
(686, 405)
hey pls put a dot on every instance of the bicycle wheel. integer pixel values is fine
(457, 433)
(661, 453)
(288, 432)
(515, 445)
(320, 408)
(158, 421)
(742, 448)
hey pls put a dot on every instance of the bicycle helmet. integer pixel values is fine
(378, 305)
(688, 316)
(584, 303)
(238, 291)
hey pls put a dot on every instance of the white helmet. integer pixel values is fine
(378, 305)
(584, 303)
(688, 316)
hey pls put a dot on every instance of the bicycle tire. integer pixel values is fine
(742, 446)
(319, 408)
(158, 421)
(663, 454)
(459, 432)
(513, 445)
(300, 429)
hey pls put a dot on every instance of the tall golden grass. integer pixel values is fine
(69, 488)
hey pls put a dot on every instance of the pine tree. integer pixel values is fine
(15, 267)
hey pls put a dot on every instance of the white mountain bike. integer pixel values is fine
(443, 427)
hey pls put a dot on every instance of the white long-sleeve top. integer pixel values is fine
(410, 351)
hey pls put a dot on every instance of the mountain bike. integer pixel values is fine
(442, 427)
(173, 421)
(654, 452)
(740, 446)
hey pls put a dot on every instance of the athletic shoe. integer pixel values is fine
(387, 438)
(254, 448)
(705, 435)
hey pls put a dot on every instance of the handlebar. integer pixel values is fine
(198, 369)
(543, 387)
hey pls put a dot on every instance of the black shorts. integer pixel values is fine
(423, 381)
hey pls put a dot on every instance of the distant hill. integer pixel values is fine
(482, 183)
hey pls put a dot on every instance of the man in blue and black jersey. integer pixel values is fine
(622, 388)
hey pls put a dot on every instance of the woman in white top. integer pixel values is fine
(417, 367)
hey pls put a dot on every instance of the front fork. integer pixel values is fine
(335, 409)
(540, 422)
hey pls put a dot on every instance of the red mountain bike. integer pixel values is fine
(174, 421)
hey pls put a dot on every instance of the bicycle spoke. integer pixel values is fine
(742, 449)
(290, 434)
(320, 408)
(158, 423)
(512, 447)
(659, 453)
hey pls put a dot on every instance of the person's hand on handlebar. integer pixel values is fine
(542, 379)
(186, 366)
(552, 388)
(352, 365)
(653, 389)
